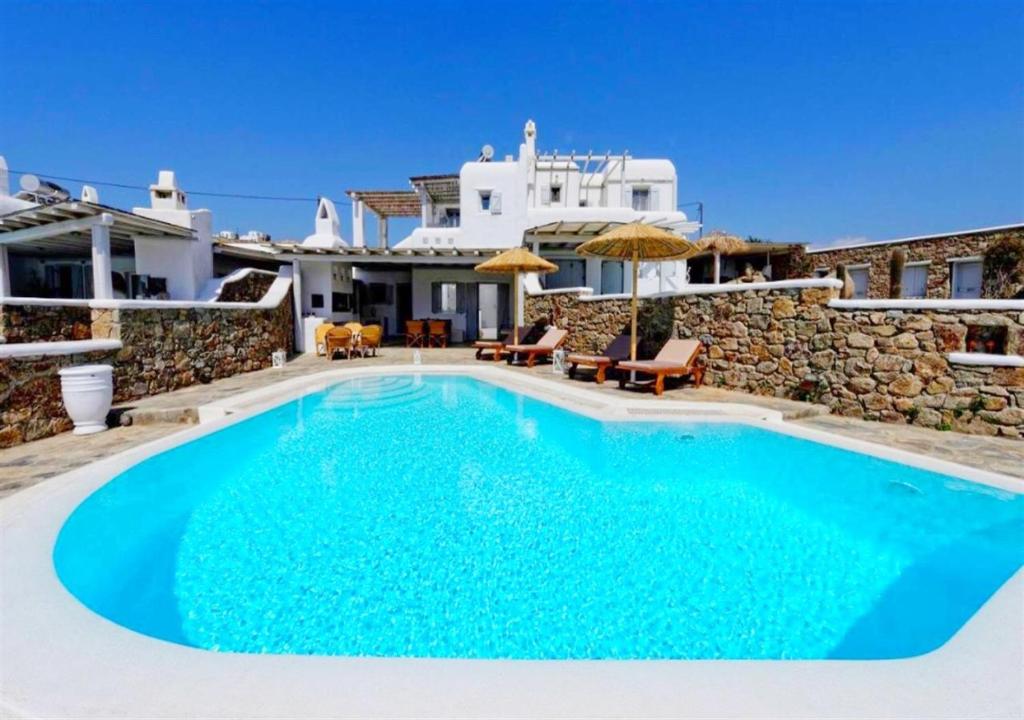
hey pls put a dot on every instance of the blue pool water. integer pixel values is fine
(444, 517)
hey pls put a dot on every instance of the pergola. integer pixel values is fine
(76, 227)
(384, 204)
(441, 189)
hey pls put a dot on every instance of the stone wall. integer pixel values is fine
(164, 347)
(889, 365)
(251, 287)
(20, 323)
(30, 397)
(937, 250)
(167, 349)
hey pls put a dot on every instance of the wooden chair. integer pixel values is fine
(369, 340)
(678, 358)
(544, 347)
(497, 347)
(318, 337)
(338, 339)
(617, 351)
(438, 333)
(414, 333)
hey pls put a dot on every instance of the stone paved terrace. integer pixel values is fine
(161, 415)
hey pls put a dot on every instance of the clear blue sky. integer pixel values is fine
(795, 121)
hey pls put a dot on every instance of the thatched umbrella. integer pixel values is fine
(515, 261)
(722, 243)
(637, 242)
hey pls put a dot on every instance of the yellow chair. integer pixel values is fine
(339, 339)
(355, 327)
(369, 340)
(319, 334)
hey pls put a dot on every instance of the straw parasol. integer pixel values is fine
(637, 242)
(515, 261)
(722, 243)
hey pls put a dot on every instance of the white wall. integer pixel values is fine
(423, 278)
(381, 312)
(187, 264)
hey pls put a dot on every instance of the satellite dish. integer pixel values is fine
(487, 152)
(29, 183)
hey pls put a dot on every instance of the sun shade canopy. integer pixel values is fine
(644, 241)
(516, 260)
(721, 242)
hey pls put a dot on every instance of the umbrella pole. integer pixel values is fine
(632, 308)
(515, 307)
(718, 268)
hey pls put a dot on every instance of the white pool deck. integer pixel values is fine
(59, 659)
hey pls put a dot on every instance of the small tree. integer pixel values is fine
(842, 274)
(1003, 269)
(897, 261)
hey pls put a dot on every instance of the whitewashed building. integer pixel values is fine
(55, 246)
(550, 201)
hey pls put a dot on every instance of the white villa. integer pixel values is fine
(548, 201)
(52, 245)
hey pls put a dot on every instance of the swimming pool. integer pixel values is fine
(439, 516)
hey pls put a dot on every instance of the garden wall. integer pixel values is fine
(167, 349)
(936, 250)
(795, 339)
(30, 398)
(163, 346)
(45, 321)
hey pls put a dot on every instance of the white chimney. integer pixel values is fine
(165, 194)
(530, 133)
(327, 227)
(90, 194)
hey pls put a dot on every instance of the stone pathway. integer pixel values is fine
(162, 415)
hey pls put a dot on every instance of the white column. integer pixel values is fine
(358, 224)
(593, 266)
(424, 207)
(5, 273)
(684, 267)
(382, 231)
(297, 305)
(102, 285)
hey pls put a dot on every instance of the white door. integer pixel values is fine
(488, 311)
(967, 279)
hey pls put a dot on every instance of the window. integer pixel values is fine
(378, 293)
(485, 199)
(966, 278)
(915, 280)
(451, 218)
(641, 198)
(859, 275)
(570, 273)
(341, 302)
(556, 193)
(446, 297)
(611, 277)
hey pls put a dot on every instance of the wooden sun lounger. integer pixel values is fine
(497, 347)
(617, 351)
(678, 358)
(551, 341)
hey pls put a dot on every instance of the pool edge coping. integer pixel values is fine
(951, 681)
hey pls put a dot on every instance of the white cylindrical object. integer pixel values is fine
(88, 391)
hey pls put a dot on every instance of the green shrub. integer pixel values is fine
(1003, 269)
